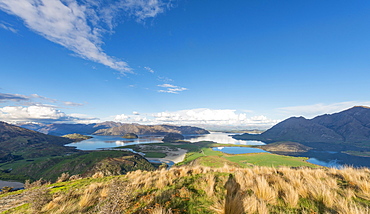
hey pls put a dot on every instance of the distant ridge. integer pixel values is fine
(151, 130)
(112, 128)
(60, 129)
(348, 126)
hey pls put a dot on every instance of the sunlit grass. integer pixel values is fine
(226, 189)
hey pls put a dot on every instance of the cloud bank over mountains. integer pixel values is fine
(37, 108)
(80, 25)
(200, 117)
(310, 111)
(41, 114)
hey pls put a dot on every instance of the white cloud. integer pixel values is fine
(43, 98)
(164, 79)
(83, 118)
(41, 113)
(213, 117)
(19, 113)
(79, 26)
(200, 117)
(131, 118)
(142, 9)
(171, 89)
(6, 26)
(68, 103)
(310, 111)
(13, 97)
(34, 99)
(149, 69)
(167, 86)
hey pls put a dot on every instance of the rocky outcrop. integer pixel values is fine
(77, 137)
(130, 136)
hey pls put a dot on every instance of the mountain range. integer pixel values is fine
(60, 129)
(112, 128)
(151, 130)
(351, 127)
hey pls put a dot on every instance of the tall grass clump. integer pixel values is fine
(200, 190)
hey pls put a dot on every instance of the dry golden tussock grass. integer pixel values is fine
(210, 183)
(98, 175)
(226, 190)
(63, 177)
(160, 210)
(90, 196)
(264, 191)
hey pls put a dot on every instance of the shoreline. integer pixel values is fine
(172, 156)
(14, 184)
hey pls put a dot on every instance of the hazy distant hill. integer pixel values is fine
(349, 126)
(63, 129)
(151, 130)
(28, 143)
(112, 128)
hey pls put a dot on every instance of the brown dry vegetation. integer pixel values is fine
(226, 190)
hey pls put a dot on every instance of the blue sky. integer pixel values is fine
(245, 63)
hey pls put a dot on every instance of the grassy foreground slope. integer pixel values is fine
(83, 163)
(197, 190)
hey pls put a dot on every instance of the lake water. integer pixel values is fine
(223, 138)
(323, 158)
(14, 184)
(99, 142)
(335, 159)
(331, 163)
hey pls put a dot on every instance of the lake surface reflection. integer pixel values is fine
(99, 142)
(335, 159)
(223, 138)
(331, 163)
(14, 184)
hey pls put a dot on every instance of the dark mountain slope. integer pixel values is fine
(301, 130)
(349, 126)
(16, 141)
